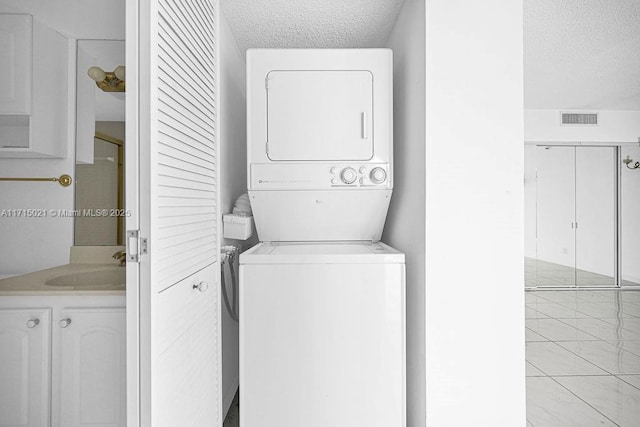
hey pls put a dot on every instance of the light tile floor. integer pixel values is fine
(583, 358)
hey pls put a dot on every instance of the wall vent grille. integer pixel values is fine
(579, 118)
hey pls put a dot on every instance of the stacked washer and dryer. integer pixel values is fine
(322, 300)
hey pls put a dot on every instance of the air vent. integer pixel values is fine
(579, 118)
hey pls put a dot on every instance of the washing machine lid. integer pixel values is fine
(322, 253)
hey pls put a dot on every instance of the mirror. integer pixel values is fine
(571, 220)
(100, 139)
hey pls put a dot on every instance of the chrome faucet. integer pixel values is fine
(122, 256)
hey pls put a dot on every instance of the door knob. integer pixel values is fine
(32, 323)
(64, 322)
(202, 286)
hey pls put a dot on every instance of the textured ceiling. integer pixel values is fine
(311, 23)
(582, 54)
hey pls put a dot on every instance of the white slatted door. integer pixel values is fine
(174, 372)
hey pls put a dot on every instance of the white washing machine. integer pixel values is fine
(322, 339)
(322, 301)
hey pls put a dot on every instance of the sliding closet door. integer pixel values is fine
(574, 198)
(595, 216)
(555, 217)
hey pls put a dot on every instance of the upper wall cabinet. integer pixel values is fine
(34, 89)
(15, 67)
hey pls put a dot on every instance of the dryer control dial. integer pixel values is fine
(378, 175)
(348, 175)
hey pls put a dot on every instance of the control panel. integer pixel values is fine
(353, 175)
(320, 176)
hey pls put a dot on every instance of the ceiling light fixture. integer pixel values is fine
(108, 81)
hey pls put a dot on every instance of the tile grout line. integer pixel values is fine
(627, 382)
(588, 361)
(545, 374)
(584, 401)
(576, 304)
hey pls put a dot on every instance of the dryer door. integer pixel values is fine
(319, 115)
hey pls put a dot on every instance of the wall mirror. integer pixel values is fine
(100, 139)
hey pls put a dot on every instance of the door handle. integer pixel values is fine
(202, 286)
(64, 322)
(363, 124)
(32, 323)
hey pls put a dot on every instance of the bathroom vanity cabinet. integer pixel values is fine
(63, 360)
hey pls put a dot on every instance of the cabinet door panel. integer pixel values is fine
(15, 66)
(189, 351)
(25, 352)
(92, 368)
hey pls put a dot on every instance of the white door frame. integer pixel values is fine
(132, 181)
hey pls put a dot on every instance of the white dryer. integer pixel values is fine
(319, 142)
(321, 299)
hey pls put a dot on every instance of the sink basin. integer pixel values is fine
(105, 278)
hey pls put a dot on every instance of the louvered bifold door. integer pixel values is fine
(186, 145)
(180, 358)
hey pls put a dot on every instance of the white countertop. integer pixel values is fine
(35, 283)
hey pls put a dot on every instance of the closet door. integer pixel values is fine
(575, 210)
(555, 216)
(173, 324)
(595, 216)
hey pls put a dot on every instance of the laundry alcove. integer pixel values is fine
(398, 25)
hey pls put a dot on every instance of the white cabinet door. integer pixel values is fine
(15, 66)
(319, 115)
(25, 352)
(188, 352)
(91, 378)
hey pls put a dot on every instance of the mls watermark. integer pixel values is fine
(64, 213)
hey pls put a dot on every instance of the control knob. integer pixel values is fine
(378, 175)
(348, 175)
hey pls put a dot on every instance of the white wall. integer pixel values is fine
(405, 225)
(630, 215)
(474, 214)
(232, 180)
(613, 126)
(79, 19)
(28, 243)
